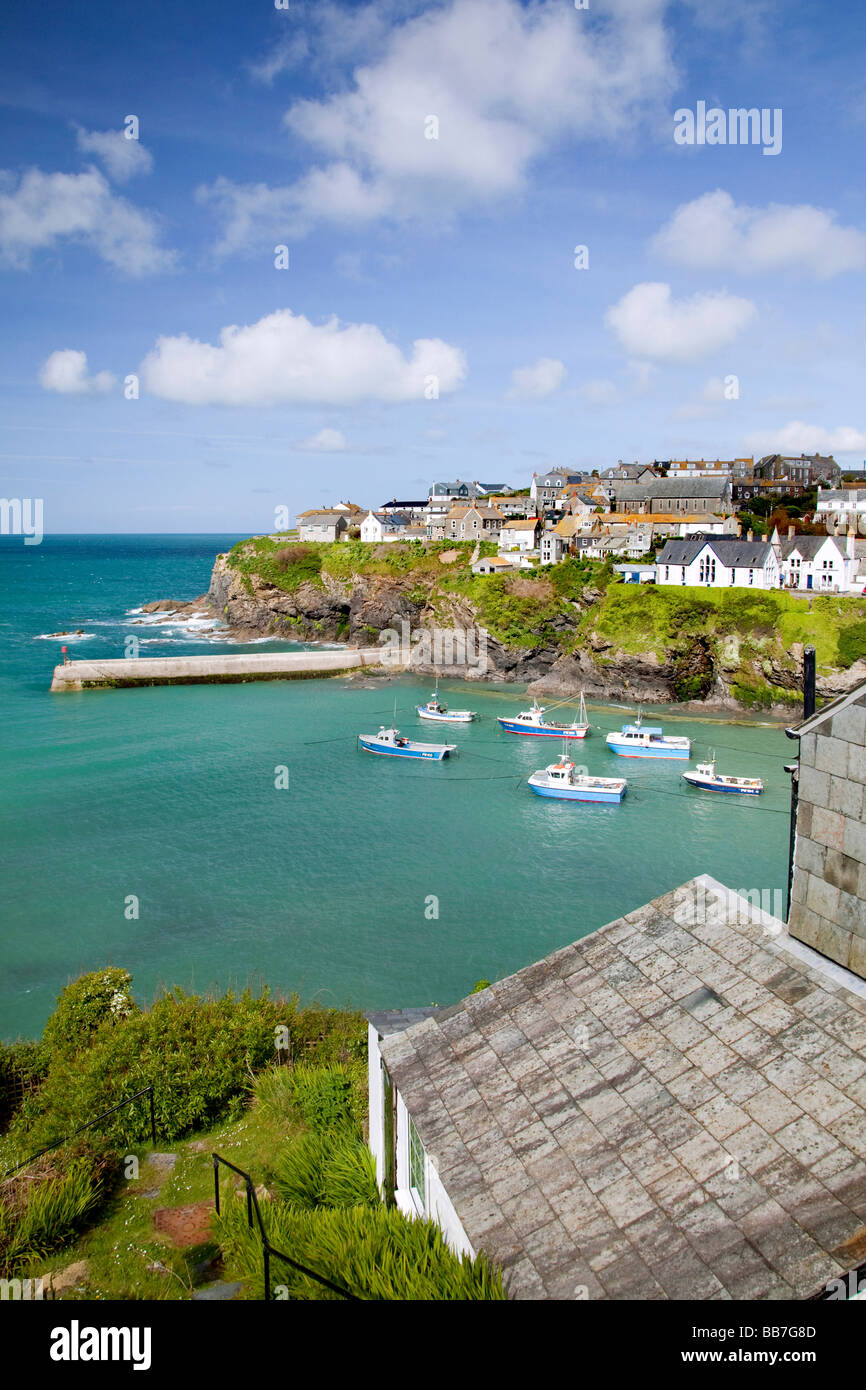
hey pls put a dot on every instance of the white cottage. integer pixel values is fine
(710, 562)
(519, 535)
(383, 526)
(818, 562)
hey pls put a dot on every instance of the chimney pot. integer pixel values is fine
(790, 532)
(750, 536)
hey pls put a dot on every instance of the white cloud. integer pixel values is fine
(651, 324)
(600, 392)
(798, 438)
(122, 158)
(506, 82)
(541, 379)
(327, 441)
(65, 371)
(46, 209)
(715, 233)
(284, 358)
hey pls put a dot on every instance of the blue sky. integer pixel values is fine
(431, 322)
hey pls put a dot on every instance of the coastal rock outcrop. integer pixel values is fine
(581, 643)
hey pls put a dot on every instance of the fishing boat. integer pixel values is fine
(706, 777)
(532, 722)
(391, 741)
(639, 740)
(441, 714)
(562, 781)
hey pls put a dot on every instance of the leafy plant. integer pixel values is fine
(103, 996)
(44, 1206)
(198, 1054)
(375, 1252)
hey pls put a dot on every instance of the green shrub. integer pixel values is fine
(375, 1252)
(84, 1006)
(325, 1170)
(327, 1097)
(852, 644)
(47, 1204)
(23, 1066)
(198, 1054)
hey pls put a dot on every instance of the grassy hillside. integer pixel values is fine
(748, 637)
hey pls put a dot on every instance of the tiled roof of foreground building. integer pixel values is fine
(671, 1107)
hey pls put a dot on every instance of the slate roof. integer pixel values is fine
(732, 552)
(585, 1113)
(322, 518)
(808, 546)
(661, 489)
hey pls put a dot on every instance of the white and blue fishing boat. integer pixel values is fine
(391, 742)
(641, 740)
(706, 777)
(561, 781)
(531, 722)
(437, 712)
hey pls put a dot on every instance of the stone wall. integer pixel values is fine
(828, 899)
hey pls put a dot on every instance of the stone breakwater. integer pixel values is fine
(209, 670)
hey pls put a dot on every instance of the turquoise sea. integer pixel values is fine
(330, 886)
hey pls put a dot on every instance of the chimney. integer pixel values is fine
(750, 536)
(790, 533)
(739, 529)
(851, 546)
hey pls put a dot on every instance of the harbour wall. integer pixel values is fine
(123, 672)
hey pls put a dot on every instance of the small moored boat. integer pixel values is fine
(532, 722)
(562, 781)
(441, 714)
(706, 777)
(391, 741)
(641, 740)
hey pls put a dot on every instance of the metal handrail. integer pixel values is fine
(146, 1090)
(267, 1248)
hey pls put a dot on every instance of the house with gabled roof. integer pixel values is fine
(383, 526)
(521, 535)
(822, 563)
(717, 562)
(326, 525)
(478, 522)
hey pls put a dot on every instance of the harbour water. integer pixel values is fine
(151, 828)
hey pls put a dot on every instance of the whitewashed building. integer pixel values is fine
(818, 562)
(709, 562)
(519, 535)
(383, 526)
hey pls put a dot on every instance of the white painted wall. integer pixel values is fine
(725, 578)
(438, 1206)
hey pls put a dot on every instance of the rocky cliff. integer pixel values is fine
(615, 643)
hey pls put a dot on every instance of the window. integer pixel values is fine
(417, 1166)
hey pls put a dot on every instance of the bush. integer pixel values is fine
(198, 1054)
(84, 1006)
(45, 1206)
(23, 1066)
(852, 644)
(375, 1252)
(326, 1170)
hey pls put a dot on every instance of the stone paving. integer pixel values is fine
(671, 1107)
